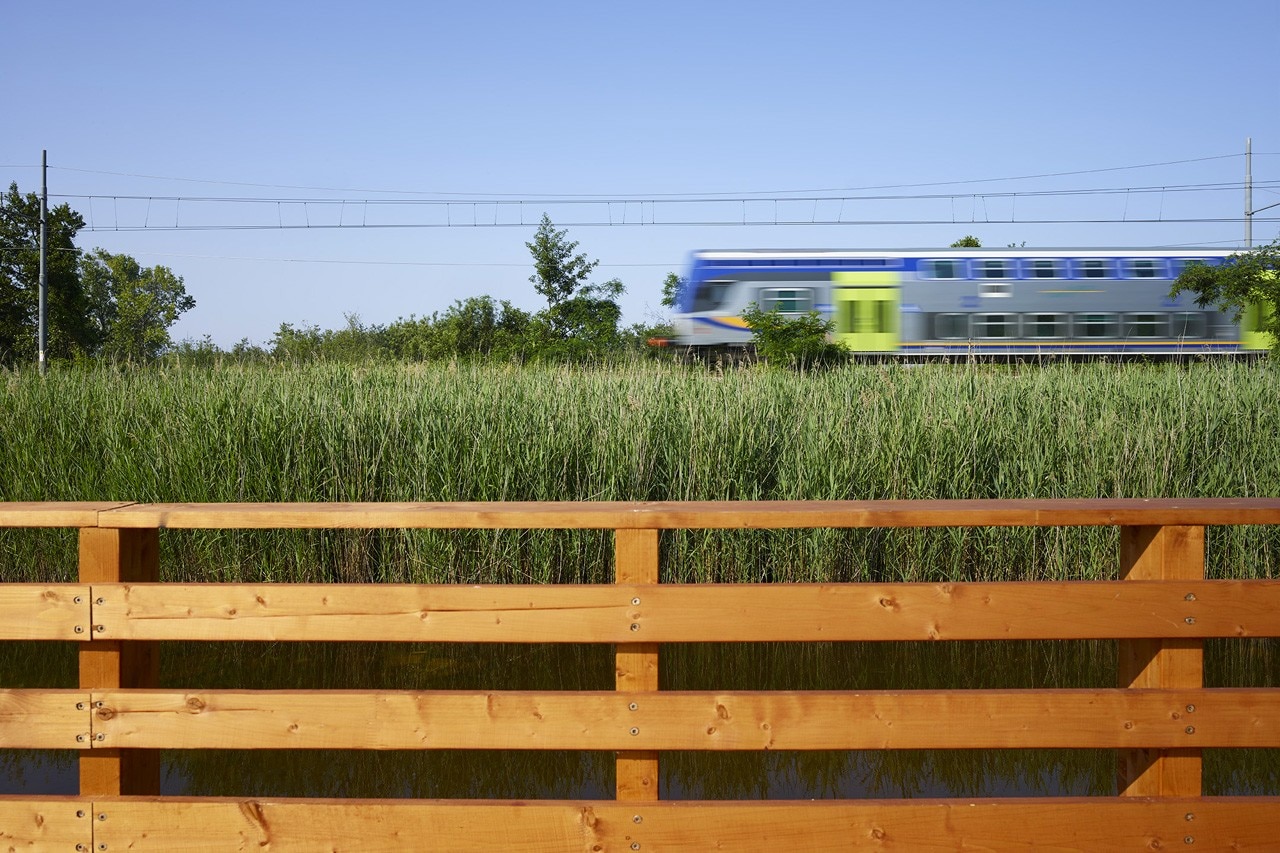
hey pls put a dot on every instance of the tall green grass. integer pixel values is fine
(642, 432)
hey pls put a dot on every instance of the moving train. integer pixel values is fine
(998, 303)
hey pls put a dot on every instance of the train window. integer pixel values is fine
(1045, 325)
(951, 327)
(1093, 268)
(995, 288)
(1145, 325)
(794, 300)
(1143, 268)
(1046, 268)
(710, 295)
(944, 268)
(1187, 324)
(994, 268)
(1096, 325)
(995, 325)
(1180, 265)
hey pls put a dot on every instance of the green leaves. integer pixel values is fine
(131, 307)
(799, 340)
(1247, 284)
(558, 272)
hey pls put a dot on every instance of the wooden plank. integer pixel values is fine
(670, 720)
(689, 612)
(366, 612)
(603, 515)
(1176, 555)
(114, 556)
(30, 611)
(44, 719)
(54, 513)
(636, 664)
(1059, 824)
(45, 824)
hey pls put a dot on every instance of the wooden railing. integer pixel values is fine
(1158, 718)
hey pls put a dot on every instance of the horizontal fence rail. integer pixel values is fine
(1158, 718)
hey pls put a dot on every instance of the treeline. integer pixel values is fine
(581, 323)
(476, 328)
(103, 306)
(99, 304)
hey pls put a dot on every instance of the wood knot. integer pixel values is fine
(195, 704)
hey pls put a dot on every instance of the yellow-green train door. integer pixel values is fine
(866, 309)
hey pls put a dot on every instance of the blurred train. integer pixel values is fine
(1000, 303)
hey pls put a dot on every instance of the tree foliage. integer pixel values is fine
(671, 287)
(70, 333)
(98, 303)
(798, 341)
(558, 274)
(968, 241)
(131, 308)
(581, 318)
(1246, 284)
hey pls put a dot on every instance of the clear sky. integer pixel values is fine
(683, 109)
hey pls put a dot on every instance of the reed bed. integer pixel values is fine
(647, 431)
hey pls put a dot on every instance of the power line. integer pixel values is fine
(692, 223)
(1230, 186)
(661, 195)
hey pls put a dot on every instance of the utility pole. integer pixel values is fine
(42, 332)
(1248, 193)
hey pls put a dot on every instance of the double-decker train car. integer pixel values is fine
(998, 303)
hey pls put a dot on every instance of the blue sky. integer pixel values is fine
(544, 106)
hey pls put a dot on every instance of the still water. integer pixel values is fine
(684, 775)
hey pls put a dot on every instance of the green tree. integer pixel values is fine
(558, 273)
(480, 327)
(1246, 284)
(581, 318)
(70, 332)
(671, 287)
(968, 241)
(797, 341)
(131, 308)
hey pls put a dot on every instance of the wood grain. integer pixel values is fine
(701, 515)
(44, 719)
(671, 720)
(636, 664)
(44, 612)
(54, 513)
(113, 556)
(1189, 609)
(1174, 555)
(1058, 824)
(45, 824)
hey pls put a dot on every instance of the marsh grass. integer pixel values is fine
(640, 432)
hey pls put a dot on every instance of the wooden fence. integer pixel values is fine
(1158, 718)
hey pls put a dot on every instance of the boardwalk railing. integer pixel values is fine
(1158, 718)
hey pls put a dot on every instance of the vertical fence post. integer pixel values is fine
(636, 664)
(1161, 553)
(114, 556)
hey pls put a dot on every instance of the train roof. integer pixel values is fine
(986, 251)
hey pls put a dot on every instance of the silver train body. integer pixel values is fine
(965, 302)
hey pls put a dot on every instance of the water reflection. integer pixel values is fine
(589, 775)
